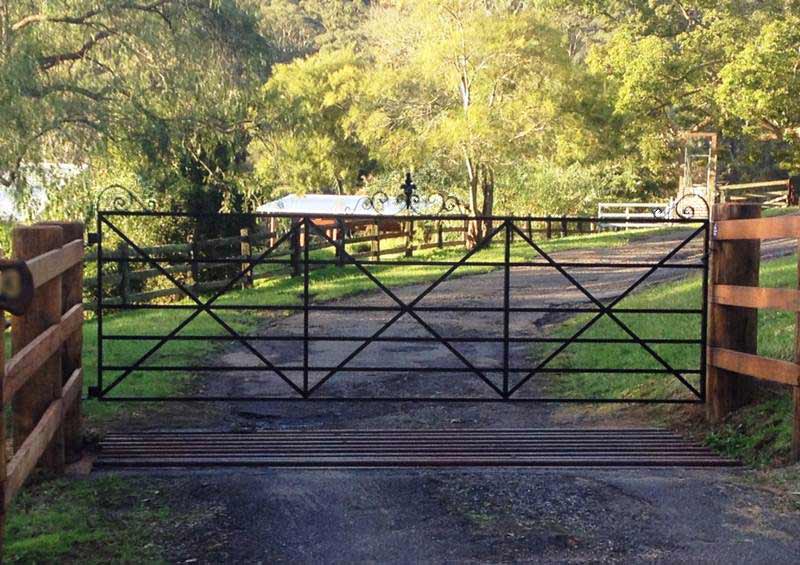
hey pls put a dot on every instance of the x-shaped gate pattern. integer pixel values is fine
(306, 227)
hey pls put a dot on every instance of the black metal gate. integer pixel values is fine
(317, 250)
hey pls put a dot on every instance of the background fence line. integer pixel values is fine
(189, 261)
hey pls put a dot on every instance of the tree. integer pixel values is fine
(306, 138)
(663, 64)
(468, 84)
(760, 86)
(131, 87)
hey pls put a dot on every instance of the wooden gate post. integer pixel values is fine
(44, 386)
(246, 251)
(409, 245)
(733, 262)
(549, 228)
(296, 245)
(71, 294)
(124, 272)
(341, 236)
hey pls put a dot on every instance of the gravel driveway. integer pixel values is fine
(462, 515)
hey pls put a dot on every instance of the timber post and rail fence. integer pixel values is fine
(42, 380)
(736, 298)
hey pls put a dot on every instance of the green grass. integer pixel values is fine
(758, 434)
(101, 520)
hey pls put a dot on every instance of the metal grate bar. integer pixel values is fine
(541, 447)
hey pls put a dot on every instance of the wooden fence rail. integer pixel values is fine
(188, 262)
(736, 298)
(42, 381)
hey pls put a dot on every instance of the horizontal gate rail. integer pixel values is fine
(302, 378)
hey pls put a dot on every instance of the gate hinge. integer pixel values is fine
(93, 239)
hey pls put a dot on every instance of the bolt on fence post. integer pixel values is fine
(44, 386)
(733, 262)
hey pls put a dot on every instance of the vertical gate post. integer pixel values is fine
(564, 228)
(549, 227)
(124, 272)
(246, 251)
(44, 386)
(439, 235)
(71, 354)
(733, 262)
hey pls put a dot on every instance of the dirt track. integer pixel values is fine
(462, 515)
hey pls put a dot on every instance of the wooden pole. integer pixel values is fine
(734, 262)
(439, 235)
(44, 386)
(72, 350)
(195, 265)
(549, 228)
(341, 234)
(409, 238)
(246, 251)
(296, 245)
(124, 272)
(564, 229)
(378, 236)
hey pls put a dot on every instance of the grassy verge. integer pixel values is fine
(100, 520)
(759, 434)
(106, 519)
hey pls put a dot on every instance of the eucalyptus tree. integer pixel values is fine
(472, 85)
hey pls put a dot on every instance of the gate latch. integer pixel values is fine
(93, 239)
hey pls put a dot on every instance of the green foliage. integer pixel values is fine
(231, 102)
(306, 141)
